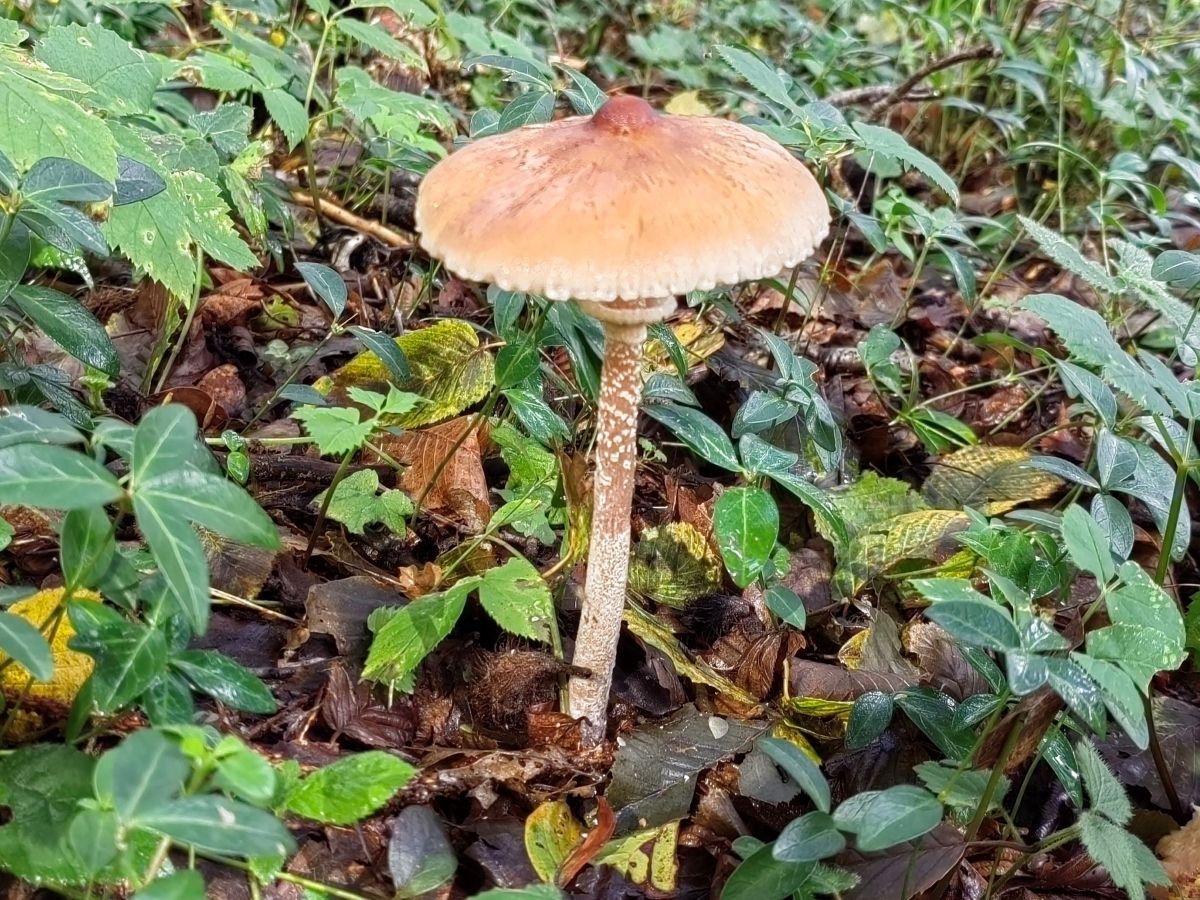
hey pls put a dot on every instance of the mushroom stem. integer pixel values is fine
(608, 550)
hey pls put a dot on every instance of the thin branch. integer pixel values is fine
(343, 216)
(905, 88)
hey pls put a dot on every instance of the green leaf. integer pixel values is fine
(375, 38)
(179, 556)
(24, 643)
(785, 603)
(129, 657)
(886, 818)
(746, 525)
(351, 788)
(803, 770)
(1078, 691)
(326, 284)
(1140, 651)
(889, 144)
(68, 323)
(37, 121)
(701, 434)
(761, 76)
(288, 113)
(49, 477)
(123, 79)
(1087, 544)
(1106, 793)
(143, 773)
(1120, 696)
(1056, 247)
(225, 680)
(412, 631)
(56, 179)
(515, 595)
(336, 429)
(968, 615)
(1127, 860)
(962, 790)
(136, 181)
(809, 838)
(357, 503)
(1086, 335)
(869, 718)
(86, 546)
(165, 441)
(387, 349)
(1139, 601)
(220, 825)
(243, 772)
(187, 884)
(762, 876)
(934, 713)
(212, 502)
(93, 836)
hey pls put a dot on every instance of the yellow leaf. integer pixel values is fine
(820, 708)
(786, 731)
(926, 534)
(71, 668)
(688, 103)
(551, 833)
(698, 339)
(628, 855)
(850, 653)
(449, 369)
(674, 565)
(991, 479)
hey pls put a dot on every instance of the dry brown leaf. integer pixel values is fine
(445, 465)
(225, 387)
(232, 303)
(1180, 852)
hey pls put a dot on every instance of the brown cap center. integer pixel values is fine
(624, 113)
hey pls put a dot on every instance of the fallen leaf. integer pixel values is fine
(445, 468)
(907, 869)
(551, 834)
(991, 479)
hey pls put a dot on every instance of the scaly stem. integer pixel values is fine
(608, 549)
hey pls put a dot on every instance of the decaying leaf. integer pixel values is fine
(71, 668)
(674, 565)
(1180, 852)
(907, 869)
(449, 369)
(654, 865)
(829, 682)
(925, 535)
(697, 340)
(654, 774)
(657, 635)
(551, 833)
(445, 470)
(872, 500)
(991, 479)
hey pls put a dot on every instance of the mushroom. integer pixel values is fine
(620, 211)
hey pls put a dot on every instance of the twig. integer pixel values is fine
(343, 216)
(902, 90)
(872, 94)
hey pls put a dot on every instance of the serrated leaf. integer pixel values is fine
(960, 789)
(1127, 860)
(759, 75)
(36, 121)
(1106, 795)
(1057, 248)
(515, 595)
(411, 632)
(357, 503)
(887, 143)
(123, 79)
(1135, 268)
(375, 38)
(336, 429)
(288, 113)
(350, 789)
(991, 479)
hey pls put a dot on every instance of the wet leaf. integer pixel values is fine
(746, 525)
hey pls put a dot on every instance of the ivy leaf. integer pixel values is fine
(67, 322)
(702, 435)
(179, 556)
(51, 477)
(225, 679)
(882, 819)
(220, 825)
(803, 770)
(326, 284)
(515, 595)
(24, 643)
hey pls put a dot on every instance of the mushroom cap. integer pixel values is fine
(626, 204)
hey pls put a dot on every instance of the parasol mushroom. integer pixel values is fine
(621, 211)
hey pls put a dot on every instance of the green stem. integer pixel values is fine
(316, 529)
(325, 890)
(985, 802)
